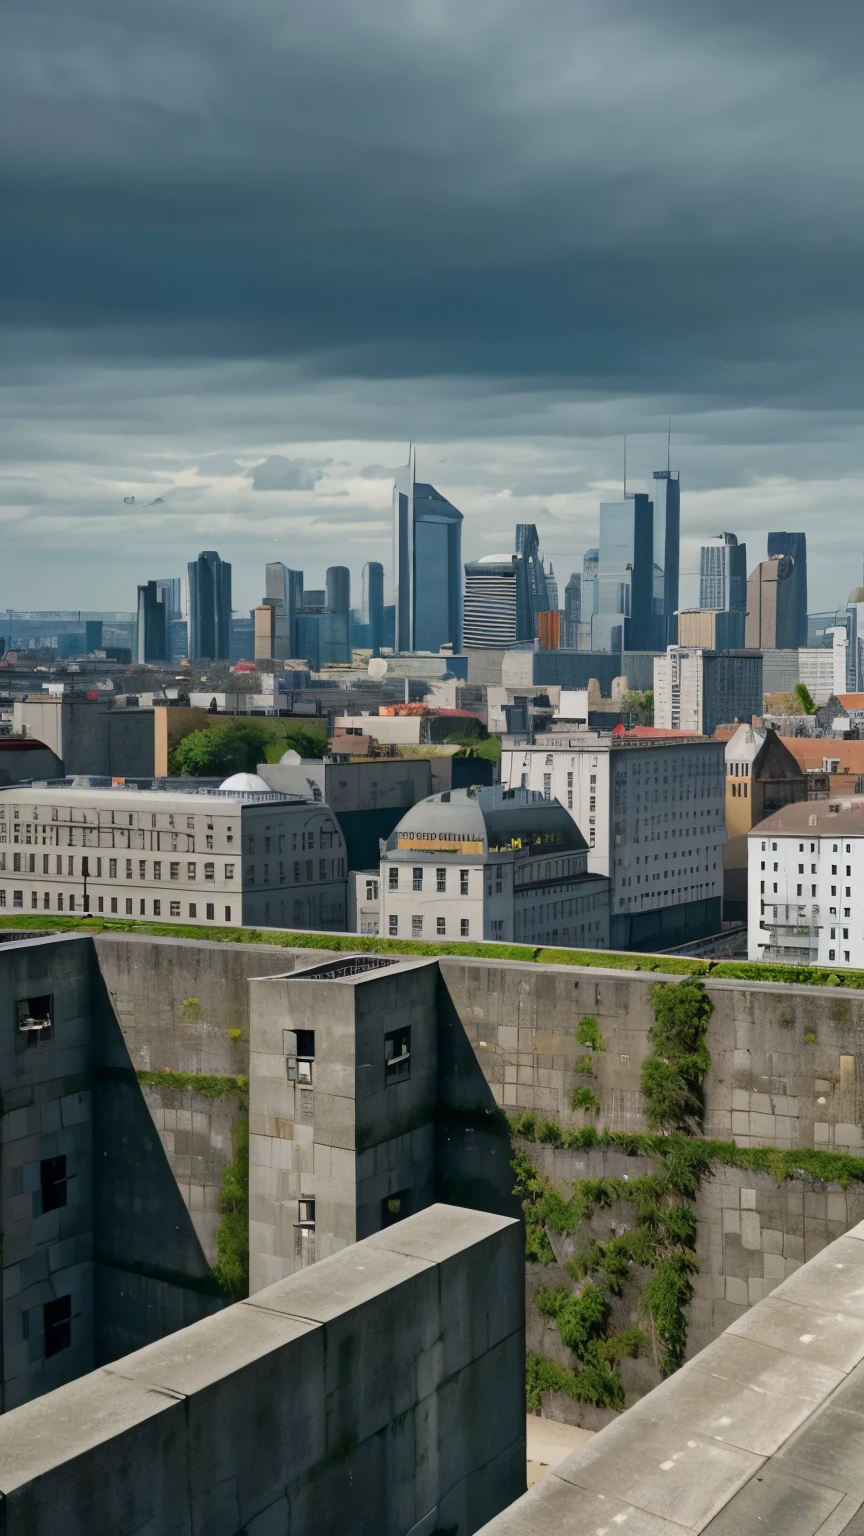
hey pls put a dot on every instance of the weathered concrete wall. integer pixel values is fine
(47, 1093)
(787, 1061)
(381, 1393)
(149, 980)
(752, 1234)
(762, 1432)
(348, 1138)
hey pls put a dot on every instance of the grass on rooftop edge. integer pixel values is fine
(603, 959)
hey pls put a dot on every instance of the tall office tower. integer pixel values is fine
(771, 619)
(589, 584)
(552, 588)
(154, 631)
(276, 583)
(372, 607)
(209, 607)
(572, 612)
(427, 565)
(795, 546)
(490, 603)
(723, 574)
(283, 588)
(624, 619)
(666, 556)
(160, 609)
(338, 588)
(532, 588)
(855, 641)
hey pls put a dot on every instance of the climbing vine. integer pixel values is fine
(672, 1076)
(658, 1249)
(232, 1235)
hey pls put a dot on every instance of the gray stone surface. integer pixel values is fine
(763, 1432)
(378, 1393)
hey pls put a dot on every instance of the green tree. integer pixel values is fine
(306, 740)
(225, 747)
(639, 706)
(805, 698)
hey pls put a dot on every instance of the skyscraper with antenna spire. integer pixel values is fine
(427, 564)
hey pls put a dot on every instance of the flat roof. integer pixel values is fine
(162, 799)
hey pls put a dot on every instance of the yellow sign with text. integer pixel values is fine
(430, 843)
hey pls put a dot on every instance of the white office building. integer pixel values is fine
(242, 854)
(652, 812)
(806, 884)
(506, 865)
(490, 603)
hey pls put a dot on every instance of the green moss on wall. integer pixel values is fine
(232, 1235)
(208, 1085)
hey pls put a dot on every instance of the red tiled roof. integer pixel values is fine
(810, 751)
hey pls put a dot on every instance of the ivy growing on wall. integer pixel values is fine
(672, 1076)
(659, 1248)
(232, 1235)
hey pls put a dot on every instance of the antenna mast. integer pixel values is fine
(625, 466)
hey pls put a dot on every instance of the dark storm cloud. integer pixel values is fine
(650, 196)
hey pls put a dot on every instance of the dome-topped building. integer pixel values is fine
(504, 864)
(248, 783)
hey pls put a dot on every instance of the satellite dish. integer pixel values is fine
(128, 500)
(377, 668)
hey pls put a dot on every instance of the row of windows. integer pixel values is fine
(26, 863)
(328, 869)
(417, 878)
(74, 903)
(417, 927)
(835, 847)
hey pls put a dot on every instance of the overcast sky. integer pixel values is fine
(304, 233)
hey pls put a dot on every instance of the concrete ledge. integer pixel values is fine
(380, 1390)
(763, 1431)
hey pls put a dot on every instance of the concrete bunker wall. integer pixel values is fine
(385, 1390)
(787, 1062)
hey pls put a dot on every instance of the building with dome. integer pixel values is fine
(173, 851)
(501, 864)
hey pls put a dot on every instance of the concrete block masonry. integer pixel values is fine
(763, 1431)
(381, 1393)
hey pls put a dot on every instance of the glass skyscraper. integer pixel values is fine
(372, 609)
(532, 590)
(625, 617)
(795, 546)
(427, 564)
(209, 607)
(666, 557)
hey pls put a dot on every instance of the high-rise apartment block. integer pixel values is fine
(697, 690)
(651, 811)
(209, 607)
(427, 564)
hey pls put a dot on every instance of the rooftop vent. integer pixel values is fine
(352, 965)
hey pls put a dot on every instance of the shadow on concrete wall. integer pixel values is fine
(152, 1276)
(473, 1148)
